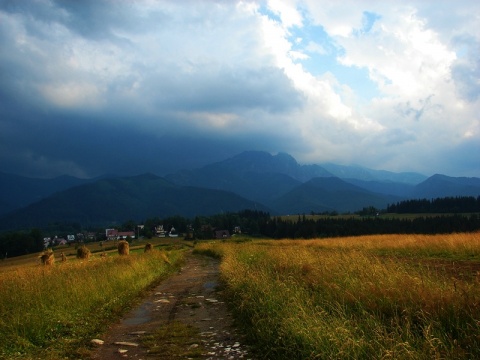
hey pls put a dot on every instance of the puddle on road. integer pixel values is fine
(140, 316)
(210, 285)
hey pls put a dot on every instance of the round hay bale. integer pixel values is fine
(47, 258)
(83, 252)
(148, 247)
(123, 247)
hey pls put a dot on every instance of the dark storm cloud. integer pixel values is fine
(460, 159)
(87, 78)
(88, 18)
(86, 148)
(224, 90)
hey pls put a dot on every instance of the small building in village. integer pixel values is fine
(222, 234)
(160, 231)
(114, 234)
(111, 234)
(173, 232)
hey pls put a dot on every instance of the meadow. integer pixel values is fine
(365, 297)
(52, 312)
(368, 297)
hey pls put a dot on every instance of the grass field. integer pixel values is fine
(371, 297)
(52, 312)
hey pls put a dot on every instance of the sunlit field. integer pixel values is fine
(372, 297)
(52, 312)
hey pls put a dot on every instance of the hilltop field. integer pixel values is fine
(366, 297)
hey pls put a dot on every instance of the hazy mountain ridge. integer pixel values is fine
(274, 183)
(120, 199)
(365, 174)
(384, 187)
(248, 162)
(329, 194)
(442, 186)
(19, 191)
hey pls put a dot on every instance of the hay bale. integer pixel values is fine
(123, 247)
(83, 252)
(148, 247)
(47, 258)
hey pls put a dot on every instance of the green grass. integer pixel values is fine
(175, 340)
(52, 312)
(337, 299)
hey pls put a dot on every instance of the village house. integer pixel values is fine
(160, 231)
(222, 234)
(114, 234)
(46, 242)
(126, 234)
(111, 234)
(173, 232)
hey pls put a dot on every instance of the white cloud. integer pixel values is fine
(288, 12)
(313, 47)
(417, 111)
(404, 58)
(338, 19)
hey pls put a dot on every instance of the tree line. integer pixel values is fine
(461, 204)
(304, 228)
(446, 215)
(20, 243)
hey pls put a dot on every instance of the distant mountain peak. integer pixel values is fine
(439, 185)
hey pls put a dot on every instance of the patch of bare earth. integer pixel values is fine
(183, 318)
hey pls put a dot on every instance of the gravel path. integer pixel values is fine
(184, 317)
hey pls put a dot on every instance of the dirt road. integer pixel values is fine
(183, 318)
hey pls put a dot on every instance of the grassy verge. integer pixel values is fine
(340, 299)
(52, 312)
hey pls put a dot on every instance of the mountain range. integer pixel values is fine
(250, 180)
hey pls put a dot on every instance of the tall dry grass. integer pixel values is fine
(52, 312)
(449, 246)
(356, 297)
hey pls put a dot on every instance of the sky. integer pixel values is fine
(98, 87)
